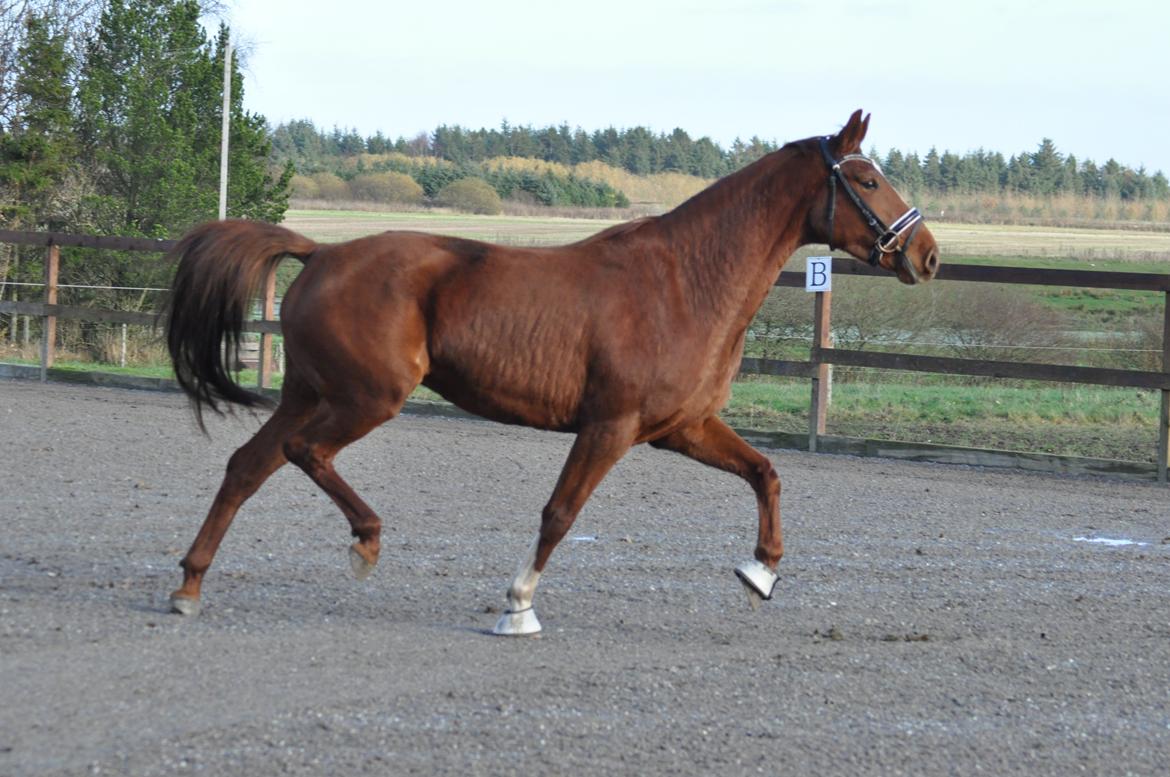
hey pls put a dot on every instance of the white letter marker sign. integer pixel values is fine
(818, 273)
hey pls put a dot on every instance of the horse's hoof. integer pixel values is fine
(758, 580)
(362, 567)
(185, 605)
(517, 624)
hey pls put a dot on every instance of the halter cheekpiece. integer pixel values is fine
(887, 241)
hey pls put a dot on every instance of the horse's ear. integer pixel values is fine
(848, 140)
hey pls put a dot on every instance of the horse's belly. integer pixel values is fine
(545, 400)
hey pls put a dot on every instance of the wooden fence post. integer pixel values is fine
(823, 376)
(264, 363)
(1164, 413)
(49, 323)
(15, 323)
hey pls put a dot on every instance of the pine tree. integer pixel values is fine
(150, 101)
(949, 171)
(707, 159)
(678, 152)
(583, 150)
(38, 146)
(1091, 179)
(1046, 168)
(1160, 185)
(1070, 179)
(932, 170)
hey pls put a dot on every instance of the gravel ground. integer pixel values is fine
(930, 619)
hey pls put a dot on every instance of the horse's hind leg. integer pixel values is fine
(714, 443)
(595, 451)
(247, 469)
(312, 448)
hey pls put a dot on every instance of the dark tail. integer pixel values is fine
(221, 266)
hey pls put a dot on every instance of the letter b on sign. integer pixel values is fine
(818, 273)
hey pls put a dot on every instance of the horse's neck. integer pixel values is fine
(732, 238)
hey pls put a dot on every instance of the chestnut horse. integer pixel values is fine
(633, 335)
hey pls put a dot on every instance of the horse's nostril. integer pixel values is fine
(932, 262)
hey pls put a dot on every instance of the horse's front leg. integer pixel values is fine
(714, 443)
(597, 448)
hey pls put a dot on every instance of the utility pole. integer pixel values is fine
(223, 146)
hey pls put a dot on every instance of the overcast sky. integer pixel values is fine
(992, 74)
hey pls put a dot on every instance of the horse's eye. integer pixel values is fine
(870, 184)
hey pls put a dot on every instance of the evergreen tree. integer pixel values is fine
(377, 143)
(150, 102)
(949, 171)
(1159, 186)
(932, 170)
(1112, 178)
(638, 151)
(38, 146)
(583, 149)
(996, 173)
(1070, 179)
(521, 143)
(677, 155)
(556, 145)
(1091, 180)
(894, 166)
(608, 146)
(1047, 169)
(449, 143)
(299, 141)
(707, 159)
(1018, 177)
(758, 148)
(915, 179)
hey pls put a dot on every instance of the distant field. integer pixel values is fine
(989, 240)
(338, 225)
(979, 241)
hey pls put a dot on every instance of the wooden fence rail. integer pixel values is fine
(817, 369)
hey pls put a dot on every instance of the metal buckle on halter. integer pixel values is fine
(888, 242)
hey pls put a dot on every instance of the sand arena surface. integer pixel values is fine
(929, 619)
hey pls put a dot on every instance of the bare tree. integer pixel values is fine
(1004, 323)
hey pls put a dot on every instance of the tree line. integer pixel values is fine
(1045, 171)
(637, 150)
(388, 178)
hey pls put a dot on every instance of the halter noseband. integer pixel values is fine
(887, 237)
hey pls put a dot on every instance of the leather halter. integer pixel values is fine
(887, 241)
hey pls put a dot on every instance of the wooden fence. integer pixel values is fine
(816, 369)
(49, 311)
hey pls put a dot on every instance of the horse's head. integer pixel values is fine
(860, 212)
